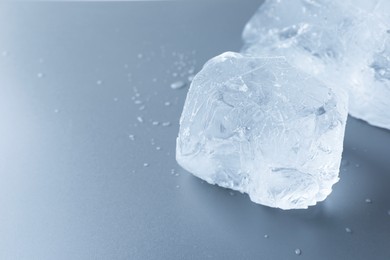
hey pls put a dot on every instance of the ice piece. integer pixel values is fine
(342, 43)
(259, 126)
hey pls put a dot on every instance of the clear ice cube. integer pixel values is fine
(342, 43)
(262, 127)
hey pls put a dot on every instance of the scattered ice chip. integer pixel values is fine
(239, 131)
(178, 85)
(348, 230)
(166, 124)
(132, 137)
(140, 119)
(167, 103)
(146, 164)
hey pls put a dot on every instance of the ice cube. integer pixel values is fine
(262, 127)
(342, 43)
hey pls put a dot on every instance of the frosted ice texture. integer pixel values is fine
(260, 126)
(343, 43)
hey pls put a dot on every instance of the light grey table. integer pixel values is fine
(82, 178)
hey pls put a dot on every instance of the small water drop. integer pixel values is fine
(388, 212)
(166, 123)
(40, 75)
(177, 186)
(154, 80)
(266, 236)
(158, 148)
(298, 251)
(132, 137)
(344, 162)
(369, 201)
(174, 74)
(140, 55)
(99, 82)
(56, 111)
(140, 119)
(348, 230)
(178, 85)
(4, 53)
(190, 78)
(155, 123)
(141, 108)
(231, 193)
(357, 165)
(115, 99)
(146, 164)
(167, 103)
(137, 102)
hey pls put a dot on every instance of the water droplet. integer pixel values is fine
(174, 74)
(191, 70)
(167, 103)
(177, 186)
(155, 123)
(99, 82)
(40, 75)
(132, 137)
(158, 148)
(388, 212)
(140, 56)
(348, 230)
(137, 102)
(190, 78)
(178, 85)
(4, 53)
(266, 236)
(166, 124)
(368, 201)
(56, 111)
(116, 99)
(298, 251)
(344, 162)
(357, 165)
(146, 164)
(140, 119)
(141, 108)
(231, 193)
(154, 80)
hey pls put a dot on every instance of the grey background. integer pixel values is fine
(73, 185)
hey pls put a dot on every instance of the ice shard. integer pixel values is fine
(263, 127)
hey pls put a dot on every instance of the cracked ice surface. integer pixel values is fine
(343, 43)
(260, 126)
